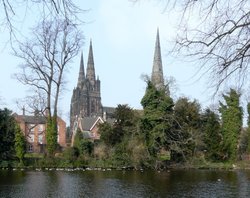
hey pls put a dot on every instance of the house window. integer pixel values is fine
(30, 148)
(40, 128)
(31, 138)
(32, 128)
(40, 139)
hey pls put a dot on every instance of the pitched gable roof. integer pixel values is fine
(88, 123)
(32, 119)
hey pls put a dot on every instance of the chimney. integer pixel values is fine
(23, 111)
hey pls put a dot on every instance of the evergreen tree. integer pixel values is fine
(20, 144)
(106, 131)
(157, 118)
(7, 134)
(231, 116)
(212, 138)
(125, 124)
(188, 138)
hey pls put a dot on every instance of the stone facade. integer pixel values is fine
(86, 104)
(34, 129)
(86, 97)
(157, 70)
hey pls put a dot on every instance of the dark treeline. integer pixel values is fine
(163, 133)
(167, 132)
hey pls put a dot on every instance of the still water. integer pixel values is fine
(173, 183)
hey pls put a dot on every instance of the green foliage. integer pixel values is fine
(231, 115)
(51, 135)
(7, 134)
(71, 154)
(106, 132)
(212, 135)
(138, 152)
(187, 136)
(124, 116)
(120, 156)
(125, 124)
(156, 121)
(84, 146)
(77, 139)
(20, 144)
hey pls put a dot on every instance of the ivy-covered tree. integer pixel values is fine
(20, 144)
(231, 116)
(51, 135)
(7, 134)
(212, 135)
(156, 121)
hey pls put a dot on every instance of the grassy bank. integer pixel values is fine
(39, 161)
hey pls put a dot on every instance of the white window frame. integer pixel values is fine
(40, 138)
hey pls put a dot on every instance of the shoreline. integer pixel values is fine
(241, 165)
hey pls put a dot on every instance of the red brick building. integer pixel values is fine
(88, 126)
(34, 129)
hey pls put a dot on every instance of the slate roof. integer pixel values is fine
(88, 122)
(109, 110)
(32, 119)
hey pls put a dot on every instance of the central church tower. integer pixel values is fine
(86, 97)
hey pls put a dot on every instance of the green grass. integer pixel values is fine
(34, 155)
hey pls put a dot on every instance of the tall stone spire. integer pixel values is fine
(81, 77)
(90, 67)
(157, 72)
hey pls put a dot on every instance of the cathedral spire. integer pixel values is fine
(81, 76)
(157, 72)
(90, 67)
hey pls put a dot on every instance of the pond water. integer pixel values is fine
(173, 183)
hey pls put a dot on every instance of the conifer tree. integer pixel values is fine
(231, 115)
(7, 134)
(212, 137)
(156, 120)
(187, 129)
(20, 144)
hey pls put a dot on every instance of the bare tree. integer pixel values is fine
(11, 12)
(46, 56)
(217, 33)
(220, 37)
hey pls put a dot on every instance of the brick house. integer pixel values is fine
(88, 126)
(34, 128)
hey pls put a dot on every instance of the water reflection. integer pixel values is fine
(175, 183)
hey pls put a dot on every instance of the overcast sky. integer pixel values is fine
(123, 36)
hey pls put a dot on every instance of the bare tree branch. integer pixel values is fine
(46, 56)
(217, 34)
(54, 8)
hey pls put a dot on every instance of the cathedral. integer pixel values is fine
(86, 109)
(86, 98)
